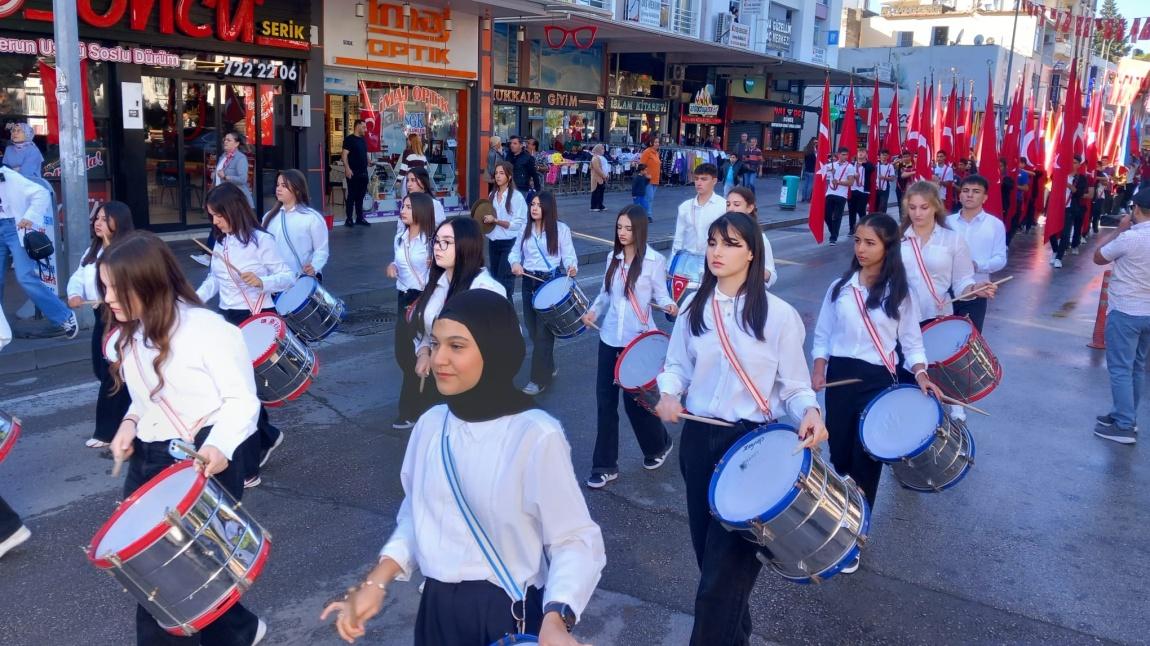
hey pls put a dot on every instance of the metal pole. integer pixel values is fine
(73, 159)
(1009, 67)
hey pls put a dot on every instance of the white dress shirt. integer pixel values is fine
(621, 324)
(860, 185)
(260, 257)
(82, 282)
(986, 238)
(412, 261)
(1130, 280)
(777, 365)
(885, 175)
(533, 256)
(945, 173)
(517, 215)
(208, 381)
(438, 296)
(841, 172)
(516, 475)
(841, 331)
(306, 230)
(21, 198)
(693, 221)
(948, 266)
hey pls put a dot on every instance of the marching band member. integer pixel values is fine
(112, 220)
(985, 235)
(510, 219)
(696, 214)
(864, 314)
(543, 251)
(742, 200)
(636, 276)
(189, 377)
(491, 508)
(859, 198)
(410, 271)
(13, 533)
(244, 270)
(300, 231)
(885, 175)
(943, 177)
(841, 175)
(737, 352)
(458, 251)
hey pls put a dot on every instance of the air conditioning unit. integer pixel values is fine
(674, 90)
(678, 72)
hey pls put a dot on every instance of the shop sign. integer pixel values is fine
(779, 34)
(92, 51)
(644, 12)
(547, 98)
(404, 37)
(417, 93)
(703, 105)
(423, 37)
(732, 33)
(710, 121)
(636, 104)
(788, 118)
(94, 165)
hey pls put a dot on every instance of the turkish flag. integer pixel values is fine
(373, 120)
(1063, 163)
(1012, 139)
(849, 137)
(48, 80)
(893, 145)
(923, 147)
(873, 143)
(817, 215)
(949, 117)
(988, 155)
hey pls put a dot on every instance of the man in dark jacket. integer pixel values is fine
(524, 171)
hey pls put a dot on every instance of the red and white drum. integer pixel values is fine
(183, 547)
(9, 431)
(284, 365)
(639, 364)
(959, 359)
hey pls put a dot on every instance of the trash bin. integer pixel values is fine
(789, 196)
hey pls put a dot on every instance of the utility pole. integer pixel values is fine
(1009, 67)
(73, 158)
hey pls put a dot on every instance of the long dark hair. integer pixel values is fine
(754, 287)
(421, 176)
(550, 219)
(509, 171)
(143, 270)
(468, 262)
(423, 216)
(118, 219)
(297, 184)
(638, 218)
(890, 290)
(228, 201)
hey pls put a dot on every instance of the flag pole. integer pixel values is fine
(1010, 61)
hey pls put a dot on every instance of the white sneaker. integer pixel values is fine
(1052, 259)
(261, 632)
(532, 388)
(15, 540)
(202, 258)
(958, 412)
(1074, 251)
(1057, 264)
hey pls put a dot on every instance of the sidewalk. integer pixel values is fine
(360, 255)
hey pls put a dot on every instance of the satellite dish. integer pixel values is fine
(989, 41)
(978, 40)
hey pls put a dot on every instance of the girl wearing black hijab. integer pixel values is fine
(492, 516)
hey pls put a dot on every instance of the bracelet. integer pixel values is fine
(919, 372)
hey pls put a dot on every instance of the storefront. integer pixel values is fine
(634, 120)
(778, 125)
(701, 120)
(165, 82)
(404, 69)
(563, 121)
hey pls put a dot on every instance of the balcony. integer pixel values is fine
(685, 22)
(916, 9)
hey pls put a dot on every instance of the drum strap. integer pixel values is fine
(644, 315)
(186, 434)
(887, 360)
(411, 267)
(729, 352)
(542, 253)
(255, 307)
(939, 302)
(486, 545)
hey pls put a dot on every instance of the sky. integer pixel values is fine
(1131, 9)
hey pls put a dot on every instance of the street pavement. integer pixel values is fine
(1041, 544)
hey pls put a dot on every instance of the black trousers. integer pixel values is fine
(975, 309)
(356, 190)
(882, 200)
(9, 521)
(844, 406)
(649, 430)
(834, 215)
(110, 409)
(497, 253)
(728, 565)
(237, 626)
(412, 403)
(857, 207)
(266, 433)
(1071, 235)
(542, 340)
(471, 612)
(597, 196)
(1096, 211)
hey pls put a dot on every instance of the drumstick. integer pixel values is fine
(843, 382)
(212, 253)
(952, 400)
(117, 464)
(422, 378)
(978, 289)
(532, 277)
(192, 452)
(592, 326)
(705, 420)
(660, 307)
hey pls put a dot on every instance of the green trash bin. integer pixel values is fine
(789, 196)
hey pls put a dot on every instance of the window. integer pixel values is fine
(940, 36)
(904, 38)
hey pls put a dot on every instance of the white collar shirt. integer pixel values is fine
(944, 173)
(860, 185)
(412, 261)
(948, 266)
(842, 332)
(438, 296)
(837, 174)
(515, 474)
(301, 238)
(261, 257)
(693, 221)
(885, 174)
(516, 215)
(777, 366)
(532, 253)
(21, 198)
(440, 214)
(1130, 280)
(82, 282)
(621, 324)
(985, 236)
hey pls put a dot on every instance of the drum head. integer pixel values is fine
(688, 264)
(140, 519)
(9, 431)
(509, 640)
(262, 334)
(642, 360)
(945, 338)
(551, 293)
(295, 296)
(110, 345)
(758, 476)
(899, 422)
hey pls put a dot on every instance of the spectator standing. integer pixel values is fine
(22, 153)
(599, 176)
(494, 156)
(526, 174)
(354, 156)
(233, 166)
(653, 167)
(639, 183)
(810, 165)
(752, 163)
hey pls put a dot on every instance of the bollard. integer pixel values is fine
(1099, 340)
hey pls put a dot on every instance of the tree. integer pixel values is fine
(1116, 46)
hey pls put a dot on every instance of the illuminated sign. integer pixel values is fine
(421, 37)
(547, 98)
(92, 51)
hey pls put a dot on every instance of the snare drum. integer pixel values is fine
(959, 359)
(284, 366)
(639, 364)
(510, 640)
(9, 431)
(685, 274)
(811, 520)
(926, 449)
(561, 304)
(183, 547)
(309, 309)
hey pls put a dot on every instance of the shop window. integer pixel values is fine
(506, 119)
(505, 54)
(564, 130)
(568, 68)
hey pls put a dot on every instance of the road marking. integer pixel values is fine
(780, 261)
(585, 236)
(88, 385)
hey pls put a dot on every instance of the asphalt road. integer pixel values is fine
(1042, 543)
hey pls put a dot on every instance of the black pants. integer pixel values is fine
(856, 208)
(266, 433)
(1096, 211)
(237, 626)
(1071, 235)
(649, 431)
(471, 612)
(844, 406)
(542, 340)
(882, 200)
(497, 253)
(9, 521)
(834, 215)
(975, 309)
(728, 565)
(597, 196)
(356, 191)
(412, 403)
(110, 409)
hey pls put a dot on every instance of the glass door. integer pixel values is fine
(201, 143)
(161, 159)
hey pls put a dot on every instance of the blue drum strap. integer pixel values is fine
(283, 227)
(543, 253)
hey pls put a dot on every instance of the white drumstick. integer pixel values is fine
(952, 400)
(706, 420)
(843, 382)
(978, 289)
(532, 277)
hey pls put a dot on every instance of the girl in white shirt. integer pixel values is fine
(636, 276)
(510, 219)
(418, 181)
(245, 270)
(112, 220)
(300, 231)
(544, 250)
(741, 199)
(410, 271)
(187, 371)
(13, 533)
(761, 376)
(486, 468)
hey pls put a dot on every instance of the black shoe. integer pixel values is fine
(834, 242)
(348, 223)
(1116, 434)
(651, 464)
(363, 222)
(600, 480)
(1107, 420)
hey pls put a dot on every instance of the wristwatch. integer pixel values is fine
(565, 613)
